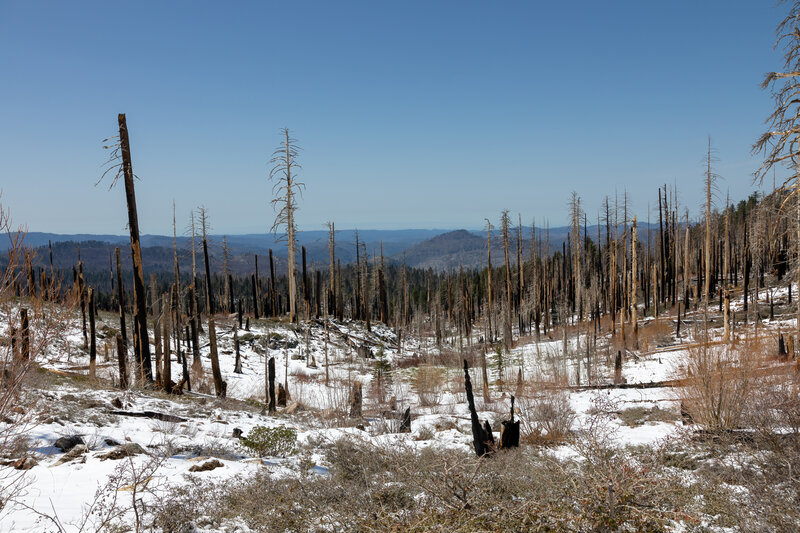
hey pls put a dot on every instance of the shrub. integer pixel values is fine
(721, 380)
(548, 415)
(264, 441)
(428, 382)
(370, 488)
(381, 373)
(498, 366)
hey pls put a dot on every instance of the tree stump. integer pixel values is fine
(405, 421)
(355, 400)
(509, 431)
(480, 437)
(281, 395)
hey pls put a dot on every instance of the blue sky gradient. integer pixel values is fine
(410, 114)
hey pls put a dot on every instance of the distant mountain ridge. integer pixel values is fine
(420, 248)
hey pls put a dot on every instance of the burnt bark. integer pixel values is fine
(141, 342)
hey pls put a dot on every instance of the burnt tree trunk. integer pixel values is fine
(25, 334)
(123, 364)
(479, 436)
(82, 301)
(355, 400)
(306, 288)
(121, 304)
(272, 283)
(141, 342)
(237, 368)
(194, 324)
(155, 308)
(405, 421)
(209, 295)
(509, 430)
(282, 396)
(166, 374)
(92, 334)
(255, 296)
(219, 385)
(271, 403)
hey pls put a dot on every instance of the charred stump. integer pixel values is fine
(479, 436)
(355, 400)
(509, 430)
(405, 421)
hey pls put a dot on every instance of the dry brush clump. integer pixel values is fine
(655, 333)
(546, 417)
(747, 405)
(720, 380)
(428, 382)
(371, 488)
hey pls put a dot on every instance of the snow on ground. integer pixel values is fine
(91, 409)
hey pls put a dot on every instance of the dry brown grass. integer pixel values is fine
(656, 333)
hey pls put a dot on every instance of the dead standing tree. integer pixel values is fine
(781, 144)
(482, 438)
(220, 386)
(285, 188)
(505, 223)
(122, 166)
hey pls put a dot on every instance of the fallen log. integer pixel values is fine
(150, 414)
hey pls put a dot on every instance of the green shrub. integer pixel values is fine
(264, 441)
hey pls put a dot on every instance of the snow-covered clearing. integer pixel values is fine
(65, 491)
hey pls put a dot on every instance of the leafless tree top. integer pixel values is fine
(779, 144)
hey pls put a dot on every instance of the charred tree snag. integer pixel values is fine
(209, 295)
(255, 296)
(219, 385)
(82, 301)
(231, 307)
(405, 421)
(509, 431)
(271, 403)
(166, 374)
(194, 324)
(155, 308)
(185, 381)
(25, 334)
(318, 294)
(272, 283)
(306, 288)
(92, 334)
(331, 272)
(141, 342)
(121, 303)
(355, 400)
(285, 189)
(282, 395)
(618, 379)
(123, 364)
(237, 368)
(479, 435)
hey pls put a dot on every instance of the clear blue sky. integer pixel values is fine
(410, 114)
